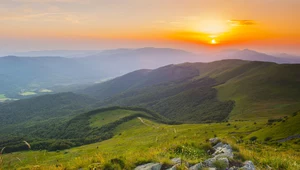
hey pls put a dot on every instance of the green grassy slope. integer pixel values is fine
(103, 118)
(261, 90)
(284, 128)
(136, 142)
(89, 127)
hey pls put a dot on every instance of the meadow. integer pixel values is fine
(140, 141)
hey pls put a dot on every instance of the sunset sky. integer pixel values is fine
(265, 25)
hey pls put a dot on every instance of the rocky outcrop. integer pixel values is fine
(223, 152)
(220, 160)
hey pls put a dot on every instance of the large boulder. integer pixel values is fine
(149, 166)
(248, 165)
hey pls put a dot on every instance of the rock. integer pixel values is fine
(224, 155)
(223, 151)
(196, 167)
(233, 168)
(214, 141)
(176, 160)
(220, 144)
(224, 160)
(209, 162)
(248, 165)
(149, 166)
(173, 167)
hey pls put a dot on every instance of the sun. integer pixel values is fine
(213, 41)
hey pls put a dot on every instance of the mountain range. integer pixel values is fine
(33, 74)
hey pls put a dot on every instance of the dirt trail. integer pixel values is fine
(143, 121)
(157, 127)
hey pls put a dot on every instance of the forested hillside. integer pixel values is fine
(63, 133)
(195, 92)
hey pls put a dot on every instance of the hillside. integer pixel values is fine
(195, 92)
(282, 129)
(62, 133)
(140, 141)
(261, 90)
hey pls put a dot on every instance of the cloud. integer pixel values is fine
(241, 22)
(52, 17)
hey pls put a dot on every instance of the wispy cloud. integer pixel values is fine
(52, 17)
(235, 22)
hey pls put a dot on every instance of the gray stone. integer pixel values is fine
(248, 165)
(149, 166)
(209, 162)
(220, 144)
(223, 151)
(173, 167)
(213, 140)
(233, 168)
(176, 160)
(224, 160)
(196, 167)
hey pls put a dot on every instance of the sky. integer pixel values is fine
(194, 25)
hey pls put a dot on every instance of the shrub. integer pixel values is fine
(295, 113)
(268, 139)
(110, 166)
(118, 162)
(253, 138)
(60, 145)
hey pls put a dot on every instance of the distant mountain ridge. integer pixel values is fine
(34, 73)
(252, 55)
